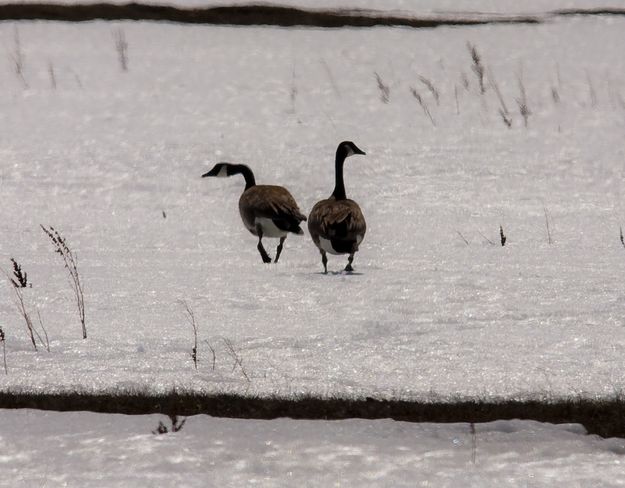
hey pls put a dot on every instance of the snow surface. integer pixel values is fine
(113, 160)
(91, 450)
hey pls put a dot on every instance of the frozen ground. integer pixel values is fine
(113, 160)
(90, 450)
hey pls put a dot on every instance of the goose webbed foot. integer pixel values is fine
(263, 253)
(349, 268)
(279, 249)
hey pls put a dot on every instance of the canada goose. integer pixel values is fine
(336, 224)
(266, 210)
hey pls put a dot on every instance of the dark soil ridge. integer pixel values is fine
(604, 417)
(274, 15)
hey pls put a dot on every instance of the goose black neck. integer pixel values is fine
(339, 186)
(247, 174)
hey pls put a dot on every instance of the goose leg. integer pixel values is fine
(349, 268)
(261, 249)
(324, 260)
(279, 248)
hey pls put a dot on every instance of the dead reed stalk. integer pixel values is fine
(4, 351)
(193, 324)
(70, 261)
(423, 104)
(121, 46)
(385, 90)
(477, 67)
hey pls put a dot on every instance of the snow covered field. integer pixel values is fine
(113, 160)
(90, 450)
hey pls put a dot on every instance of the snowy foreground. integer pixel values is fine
(89, 450)
(113, 160)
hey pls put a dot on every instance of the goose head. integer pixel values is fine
(220, 170)
(347, 149)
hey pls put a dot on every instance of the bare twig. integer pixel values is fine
(591, 90)
(121, 46)
(71, 264)
(52, 75)
(424, 105)
(486, 238)
(462, 237)
(547, 219)
(503, 108)
(4, 351)
(293, 92)
(212, 350)
(235, 356)
(522, 100)
(385, 90)
(18, 57)
(192, 322)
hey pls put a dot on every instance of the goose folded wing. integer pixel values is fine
(275, 203)
(341, 220)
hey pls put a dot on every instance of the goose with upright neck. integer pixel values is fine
(336, 224)
(266, 210)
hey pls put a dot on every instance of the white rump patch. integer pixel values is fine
(269, 228)
(326, 245)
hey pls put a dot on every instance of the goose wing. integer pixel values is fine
(337, 219)
(274, 202)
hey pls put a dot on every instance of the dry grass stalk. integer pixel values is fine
(212, 350)
(20, 304)
(462, 237)
(71, 264)
(547, 224)
(52, 75)
(522, 100)
(622, 241)
(20, 278)
(432, 89)
(477, 67)
(502, 236)
(18, 283)
(17, 56)
(503, 108)
(121, 46)
(4, 351)
(424, 105)
(456, 98)
(293, 91)
(192, 322)
(236, 357)
(385, 90)
(591, 90)
(486, 238)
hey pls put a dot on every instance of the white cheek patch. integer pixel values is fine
(350, 152)
(223, 172)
